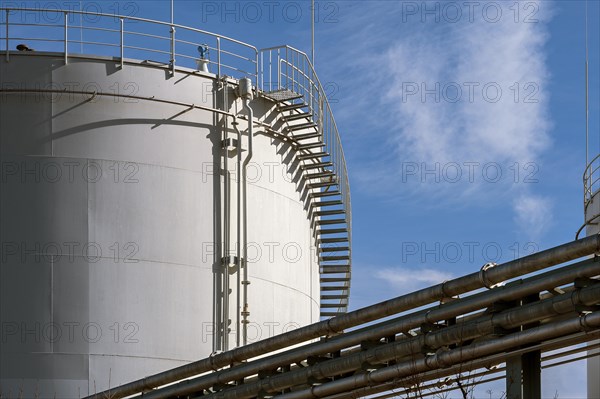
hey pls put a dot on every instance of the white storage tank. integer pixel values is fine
(591, 180)
(123, 199)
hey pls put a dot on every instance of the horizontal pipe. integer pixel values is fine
(515, 290)
(483, 362)
(268, 129)
(119, 95)
(450, 357)
(550, 257)
(482, 326)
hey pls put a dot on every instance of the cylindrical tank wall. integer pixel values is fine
(110, 211)
(593, 362)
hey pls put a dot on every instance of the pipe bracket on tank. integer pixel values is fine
(229, 143)
(229, 260)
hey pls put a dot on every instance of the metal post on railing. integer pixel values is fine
(172, 49)
(7, 41)
(311, 101)
(256, 68)
(296, 73)
(303, 76)
(66, 37)
(270, 76)
(292, 80)
(262, 71)
(287, 69)
(278, 86)
(122, 44)
(218, 57)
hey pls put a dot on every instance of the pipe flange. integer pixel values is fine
(211, 358)
(584, 325)
(483, 277)
(440, 356)
(432, 362)
(444, 293)
(427, 317)
(331, 331)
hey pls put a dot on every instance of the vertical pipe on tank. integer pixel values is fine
(218, 233)
(238, 260)
(227, 217)
(246, 93)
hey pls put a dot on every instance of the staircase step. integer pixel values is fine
(289, 107)
(333, 249)
(316, 165)
(331, 297)
(296, 116)
(336, 270)
(329, 213)
(301, 126)
(334, 280)
(332, 314)
(333, 240)
(322, 184)
(290, 98)
(327, 222)
(318, 175)
(310, 146)
(342, 268)
(332, 231)
(312, 155)
(333, 305)
(320, 194)
(281, 95)
(332, 287)
(322, 204)
(335, 258)
(306, 136)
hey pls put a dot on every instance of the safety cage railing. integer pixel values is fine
(591, 180)
(286, 68)
(82, 32)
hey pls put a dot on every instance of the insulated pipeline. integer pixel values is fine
(450, 357)
(515, 290)
(458, 333)
(538, 261)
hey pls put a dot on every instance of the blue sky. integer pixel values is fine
(463, 128)
(442, 186)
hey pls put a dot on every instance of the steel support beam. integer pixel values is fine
(524, 373)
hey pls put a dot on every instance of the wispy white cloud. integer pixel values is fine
(446, 99)
(474, 94)
(406, 279)
(533, 215)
